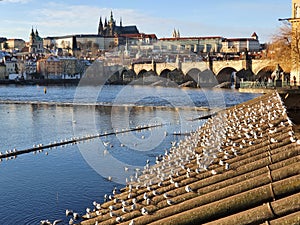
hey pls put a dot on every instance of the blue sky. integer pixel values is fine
(226, 18)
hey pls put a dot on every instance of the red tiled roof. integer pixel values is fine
(189, 38)
(141, 35)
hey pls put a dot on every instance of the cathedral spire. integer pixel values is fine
(32, 32)
(120, 21)
(174, 33)
(100, 27)
(111, 17)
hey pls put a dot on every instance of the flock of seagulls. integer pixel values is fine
(207, 150)
(174, 173)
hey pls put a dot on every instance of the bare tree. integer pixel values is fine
(279, 50)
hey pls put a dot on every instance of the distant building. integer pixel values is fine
(194, 44)
(11, 66)
(2, 71)
(71, 43)
(236, 45)
(15, 44)
(50, 67)
(108, 37)
(2, 41)
(175, 34)
(135, 39)
(35, 42)
(109, 28)
(55, 67)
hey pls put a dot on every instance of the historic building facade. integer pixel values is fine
(109, 28)
(235, 45)
(35, 43)
(194, 44)
(15, 44)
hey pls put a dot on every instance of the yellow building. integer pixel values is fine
(50, 67)
(15, 44)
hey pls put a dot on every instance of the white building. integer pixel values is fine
(235, 45)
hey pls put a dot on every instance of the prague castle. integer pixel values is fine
(109, 28)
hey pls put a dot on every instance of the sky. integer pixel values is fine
(200, 18)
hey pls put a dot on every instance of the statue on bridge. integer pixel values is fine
(278, 72)
(277, 76)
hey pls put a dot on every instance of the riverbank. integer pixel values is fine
(42, 82)
(241, 165)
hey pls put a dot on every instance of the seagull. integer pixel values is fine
(111, 208)
(272, 140)
(119, 219)
(133, 206)
(45, 222)
(144, 211)
(227, 166)
(56, 222)
(188, 188)
(292, 139)
(145, 196)
(71, 221)
(148, 200)
(170, 202)
(166, 195)
(124, 210)
(106, 143)
(213, 172)
(69, 212)
(75, 216)
(112, 214)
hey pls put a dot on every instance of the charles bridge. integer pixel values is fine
(191, 73)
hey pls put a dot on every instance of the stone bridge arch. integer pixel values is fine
(204, 78)
(260, 64)
(187, 66)
(160, 67)
(237, 65)
(137, 68)
(265, 72)
(225, 74)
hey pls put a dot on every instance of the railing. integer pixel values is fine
(257, 84)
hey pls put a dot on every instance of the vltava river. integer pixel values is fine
(42, 185)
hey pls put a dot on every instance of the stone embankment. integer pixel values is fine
(241, 167)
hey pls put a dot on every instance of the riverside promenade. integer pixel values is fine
(241, 167)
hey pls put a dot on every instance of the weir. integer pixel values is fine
(12, 153)
(243, 161)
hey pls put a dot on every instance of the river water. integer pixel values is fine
(42, 185)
